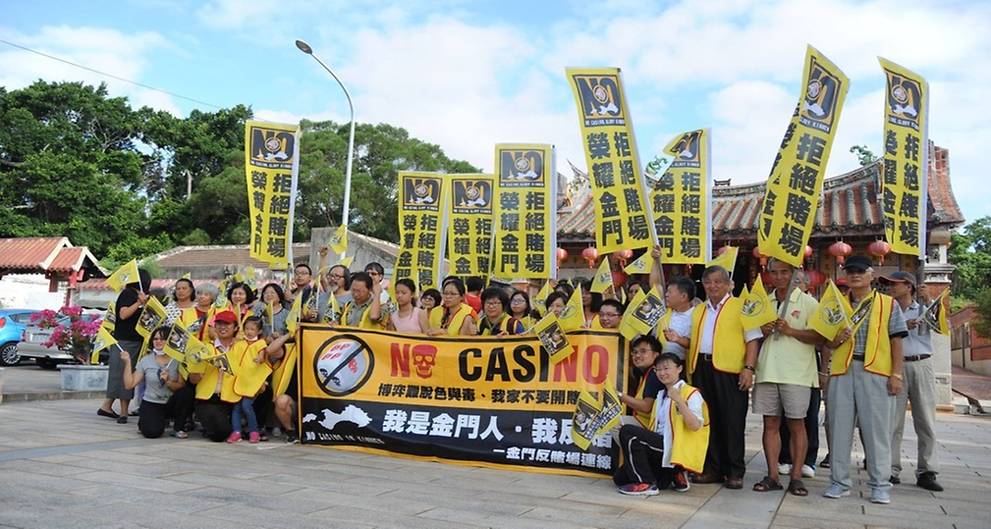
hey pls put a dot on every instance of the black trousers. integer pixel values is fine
(215, 417)
(811, 429)
(643, 452)
(727, 419)
(153, 416)
(263, 405)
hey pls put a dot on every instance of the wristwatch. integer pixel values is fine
(750, 367)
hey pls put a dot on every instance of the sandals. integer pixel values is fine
(767, 484)
(797, 488)
(109, 414)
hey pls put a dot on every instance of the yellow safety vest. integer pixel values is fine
(877, 353)
(365, 322)
(206, 386)
(250, 376)
(688, 447)
(662, 324)
(456, 322)
(729, 347)
(499, 328)
(645, 419)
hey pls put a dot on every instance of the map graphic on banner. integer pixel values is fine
(905, 172)
(470, 223)
(792, 197)
(525, 216)
(491, 402)
(623, 218)
(422, 227)
(271, 165)
(681, 200)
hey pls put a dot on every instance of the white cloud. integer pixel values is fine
(107, 50)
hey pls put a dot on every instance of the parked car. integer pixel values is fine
(32, 345)
(12, 324)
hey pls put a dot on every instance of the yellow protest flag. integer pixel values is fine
(102, 341)
(346, 262)
(151, 317)
(187, 275)
(423, 203)
(833, 314)
(540, 300)
(469, 234)
(196, 353)
(292, 320)
(756, 309)
(525, 190)
(582, 420)
(110, 318)
(935, 314)
(603, 277)
(745, 292)
(125, 275)
(791, 199)
(271, 170)
(642, 314)
(339, 240)
(904, 178)
(641, 265)
(623, 216)
(572, 317)
(552, 338)
(177, 341)
(283, 373)
(680, 200)
(726, 260)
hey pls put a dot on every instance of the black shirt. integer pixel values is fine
(126, 329)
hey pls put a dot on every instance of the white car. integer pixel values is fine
(32, 345)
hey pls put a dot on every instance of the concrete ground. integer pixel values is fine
(63, 466)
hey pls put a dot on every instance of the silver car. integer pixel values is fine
(32, 345)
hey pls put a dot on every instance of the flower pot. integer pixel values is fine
(83, 377)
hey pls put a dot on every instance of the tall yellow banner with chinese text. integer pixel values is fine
(681, 199)
(271, 162)
(792, 197)
(623, 220)
(906, 159)
(422, 227)
(470, 225)
(525, 232)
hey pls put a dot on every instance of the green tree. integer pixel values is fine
(970, 252)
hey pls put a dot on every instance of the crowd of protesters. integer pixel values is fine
(693, 380)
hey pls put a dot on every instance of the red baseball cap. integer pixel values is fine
(225, 317)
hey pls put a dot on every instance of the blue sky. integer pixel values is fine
(466, 75)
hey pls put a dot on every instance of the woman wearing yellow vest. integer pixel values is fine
(657, 457)
(495, 321)
(214, 386)
(519, 308)
(865, 371)
(453, 317)
(365, 308)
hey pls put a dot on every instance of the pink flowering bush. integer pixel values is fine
(75, 336)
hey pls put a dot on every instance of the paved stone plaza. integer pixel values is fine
(62, 466)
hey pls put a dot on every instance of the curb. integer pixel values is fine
(56, 395)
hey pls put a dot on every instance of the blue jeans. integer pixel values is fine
(245, 406)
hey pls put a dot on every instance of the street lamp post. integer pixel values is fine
(305, 48)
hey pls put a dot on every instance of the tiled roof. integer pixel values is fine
(71, 260)
(30, 254)
(849, 204)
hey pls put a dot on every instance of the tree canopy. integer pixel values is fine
(75, 161)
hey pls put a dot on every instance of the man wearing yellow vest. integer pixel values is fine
(865, 376)
(610, 314)
(644, 351)
(215, 395)
(365, 308)
(675, 441)
(721, 364)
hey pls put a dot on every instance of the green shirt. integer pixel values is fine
(783, 359)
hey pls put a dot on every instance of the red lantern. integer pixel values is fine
(816, 278)
(808, 251)
(840, 250)
(590, 254)
(879, 249)
(562, 254)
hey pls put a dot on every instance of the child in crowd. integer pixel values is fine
(251, 369)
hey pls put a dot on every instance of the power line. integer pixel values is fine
(110, 75)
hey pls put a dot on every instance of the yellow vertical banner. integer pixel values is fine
(525, 231)
(792, 197)
(623, 220)
(422, 227)
(906, 159)
(681, 200)
(271, 163)
(470, 226)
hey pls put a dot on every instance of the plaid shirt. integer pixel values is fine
(896, 326)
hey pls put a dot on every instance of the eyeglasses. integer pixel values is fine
(452, 294)
(608, 314)
(335, 276)
(301, 273)
(493, 303)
